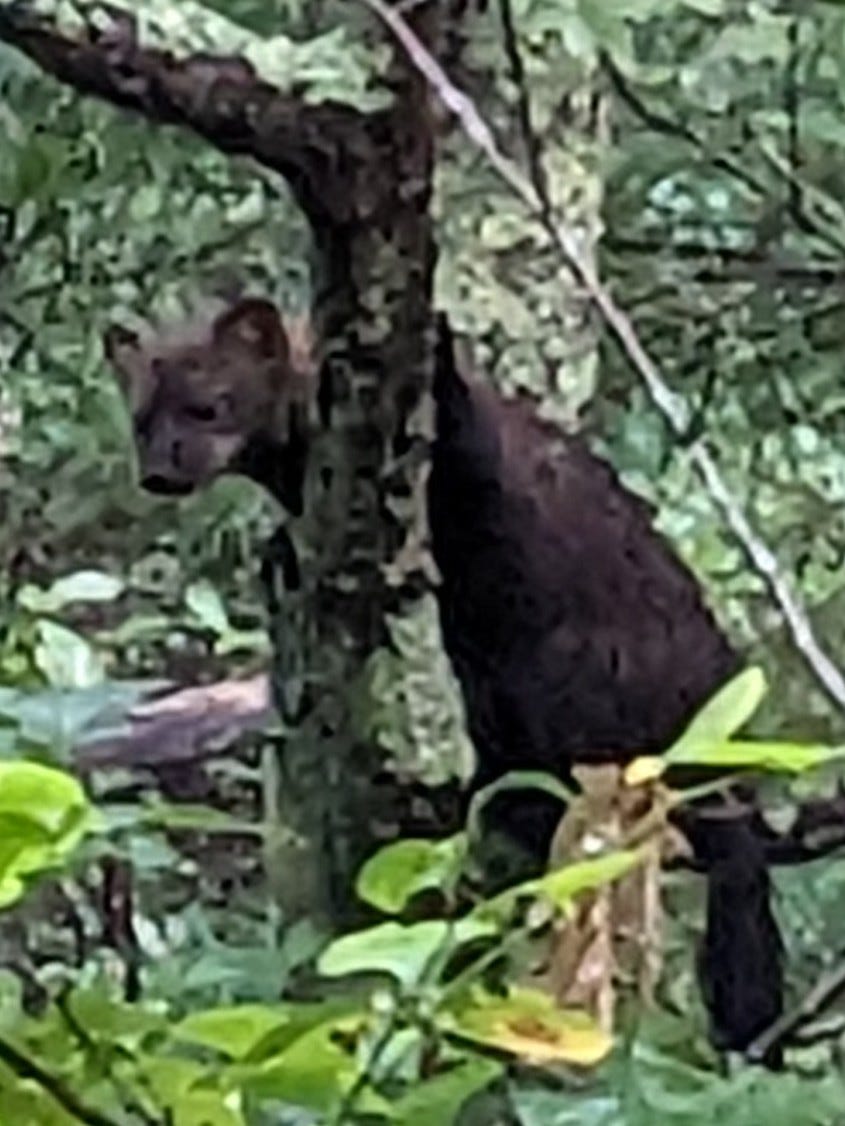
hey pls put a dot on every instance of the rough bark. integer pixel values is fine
(372, 311)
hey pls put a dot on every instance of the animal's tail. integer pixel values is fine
(741, 960)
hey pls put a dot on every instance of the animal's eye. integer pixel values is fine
(201, 412)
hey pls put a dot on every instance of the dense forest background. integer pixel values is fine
(698, 146)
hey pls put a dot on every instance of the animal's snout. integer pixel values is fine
(166, 486)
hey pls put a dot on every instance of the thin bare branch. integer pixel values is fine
(673, 408)
(828, 987)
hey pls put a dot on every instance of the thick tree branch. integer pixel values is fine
(325, 151)
(183, 726)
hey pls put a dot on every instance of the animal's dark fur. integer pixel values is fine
(578, 636)
(575, 632)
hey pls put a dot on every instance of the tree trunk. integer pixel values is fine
(373, 313)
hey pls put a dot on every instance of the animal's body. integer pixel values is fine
(575, 632)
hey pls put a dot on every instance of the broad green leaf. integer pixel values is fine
(170, 1078)
(47, 797)
(314, 1072)
(398, 872)
(438, 1101)
(406, 953)
(207, 1108)
(567, 883)
(44, 815)
(65, 659)
(530, 1025)
(124, 1024)
(722, 716)
(232, 1031)
(58, 719)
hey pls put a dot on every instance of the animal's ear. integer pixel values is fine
(253, 326)
(120, 345)
(127, 354)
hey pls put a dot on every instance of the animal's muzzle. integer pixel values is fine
(166, 486)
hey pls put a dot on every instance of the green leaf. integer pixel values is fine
(233, 1031)
(82, 586)
(57, 720)
(205, 603)
(199, 818)
(206, 1108)
(314, 1072)
(775, 757)
(65, 659)
(722, 716)
(41, 794)
(44, 815)
(126, 1025)
(406, 953)
(567, 883)
(563, 885)
(390, 879)
(438, 1101)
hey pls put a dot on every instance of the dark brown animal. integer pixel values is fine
(574, 630)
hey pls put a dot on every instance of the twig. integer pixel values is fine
(90, 1047)
(672, 407)
(660, 123)
(366, 1071)
(824, 991)
(68, 1100)
(742, 262)
(530, 138)
(792, 108)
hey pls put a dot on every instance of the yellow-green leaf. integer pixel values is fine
(564, 884)
(721, 717)
(739, 754)
(528, 1024)
(398, 872)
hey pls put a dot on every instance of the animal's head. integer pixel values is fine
(201, 398)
